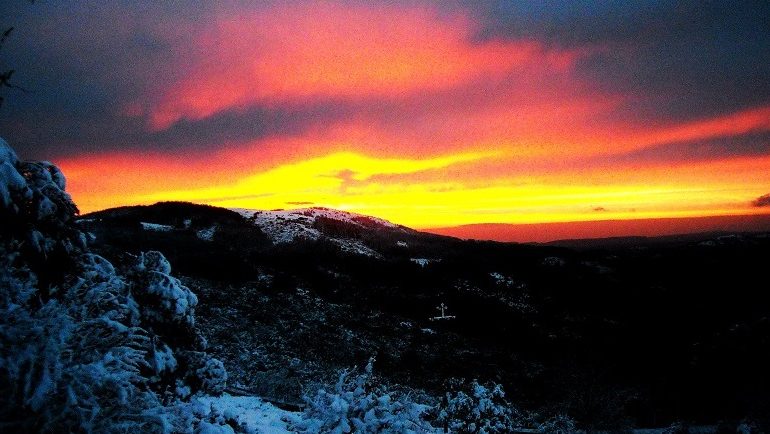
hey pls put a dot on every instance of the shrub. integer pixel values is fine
(477, 408)
(559, 424)
(86, 347)
(356, 403)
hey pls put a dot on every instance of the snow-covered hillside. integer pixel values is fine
(286, 226)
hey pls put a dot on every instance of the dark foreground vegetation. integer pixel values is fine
(628, 333)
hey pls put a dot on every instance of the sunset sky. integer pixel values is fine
(428, 114)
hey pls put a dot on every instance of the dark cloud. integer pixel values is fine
(751, 144)
(600, 209)
(680, 60)
(250, 124)
(762, 201)
(45, 134)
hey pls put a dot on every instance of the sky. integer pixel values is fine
(426, 113)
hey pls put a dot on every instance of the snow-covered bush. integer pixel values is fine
(748, 426)
(356, 403)
(34, 208)
(477, 408)
(203, 372)
(165, 298)
(678, 427)
(559, 424)
(86, 346)
(70, 364)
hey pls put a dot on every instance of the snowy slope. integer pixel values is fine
(286, 226)
(311, 214)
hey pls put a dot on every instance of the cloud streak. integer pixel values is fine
(761, 201)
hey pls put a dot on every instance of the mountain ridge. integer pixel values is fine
(311, 223)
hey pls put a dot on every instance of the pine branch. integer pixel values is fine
(5, 36)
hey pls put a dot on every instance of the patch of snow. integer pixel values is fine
(428, 331)
(357, 247)
(422, 262)
(156, 227)
(345, 216)
(286, 226)
(251, 413)
(210, 428)
(274, 222)
(503, 280)
(402, 244)
(206, 234)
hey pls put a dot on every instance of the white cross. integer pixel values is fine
(442, 307)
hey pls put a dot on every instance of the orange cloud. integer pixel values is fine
(731, 124)
(291, 52)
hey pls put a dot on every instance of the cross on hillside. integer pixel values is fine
(443, 308)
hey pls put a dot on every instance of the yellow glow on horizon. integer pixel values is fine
(354, 182)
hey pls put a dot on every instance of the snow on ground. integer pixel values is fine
(156, 227)
(422, 262)
(251, 413)
(357, 247)
(286, 226)
(310, 214)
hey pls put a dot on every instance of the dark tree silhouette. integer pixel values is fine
(7, 74)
